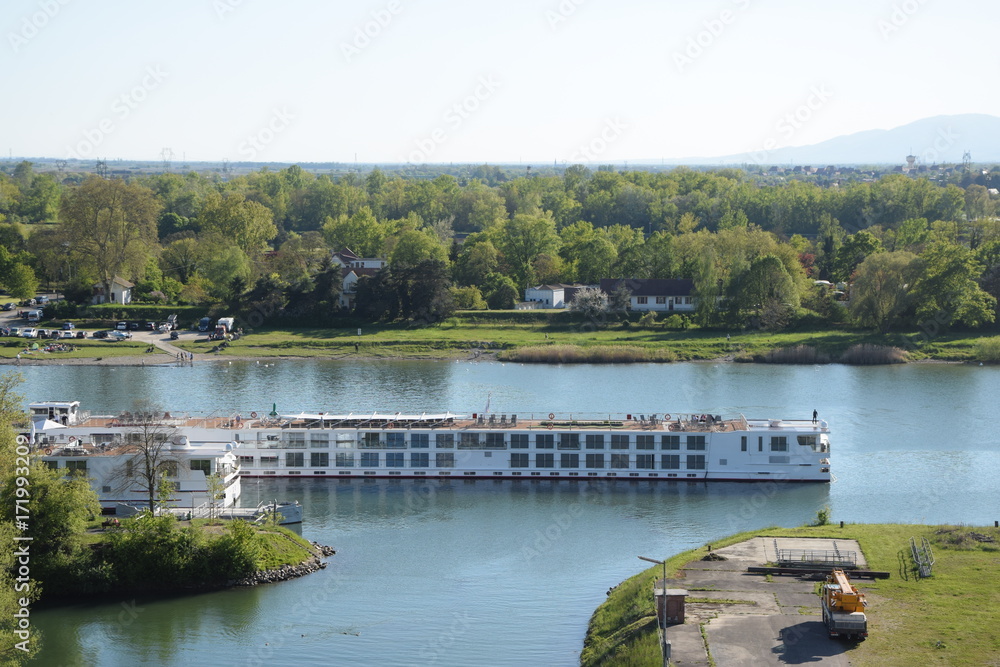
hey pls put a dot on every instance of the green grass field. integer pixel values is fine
(463, 335)
(951, 618)
(85, 349)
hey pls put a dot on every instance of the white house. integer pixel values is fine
(662, 295)
(121, 292)
(551, 296)
(352, 268)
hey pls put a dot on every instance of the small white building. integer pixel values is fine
(551, 296)
(121, 292)
(547, 296)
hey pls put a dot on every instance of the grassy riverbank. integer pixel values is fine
(550, 337)
(951, 618)
(533, 336)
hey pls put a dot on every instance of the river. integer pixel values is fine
(508, 572)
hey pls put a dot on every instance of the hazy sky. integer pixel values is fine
(506, 81)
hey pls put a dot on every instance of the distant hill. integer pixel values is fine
(933, 140)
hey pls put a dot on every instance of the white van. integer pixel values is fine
(34, 315)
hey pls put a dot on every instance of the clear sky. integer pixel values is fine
(504, 81)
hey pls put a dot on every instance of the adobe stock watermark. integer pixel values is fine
(703, 40)
(453, 118)
(32, 25)
(562, 12)
(22, 545)
(593, 149)
(371, 30)
(793, 121)
(121, 108)
(898, 17)
(279, 121)
(225, 7)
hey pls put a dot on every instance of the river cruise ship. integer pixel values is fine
(692, 447)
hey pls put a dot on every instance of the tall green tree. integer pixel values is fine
(521, 240)
(854, 251)
(249, 224)
(111, 227)
(947, 293)
(882, 287)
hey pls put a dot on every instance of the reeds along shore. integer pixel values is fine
(862, 354)
(857, 355)
(595, 354)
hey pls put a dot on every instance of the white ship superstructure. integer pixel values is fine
(682, 447)
(102, 447)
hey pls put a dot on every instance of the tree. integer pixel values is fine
(20, 281)
(521, 240)
(249, 224)
(414, 247)
(501, 292)
(361, 233)
(468, 298)
(854, 251)
(590, 301)
(881, 290)
(478, 259)
(111, 226)
(150, 459)
(946, 292)
(766, 287)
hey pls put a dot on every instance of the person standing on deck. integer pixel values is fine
(815, 415)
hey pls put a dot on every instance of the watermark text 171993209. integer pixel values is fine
(22, 544)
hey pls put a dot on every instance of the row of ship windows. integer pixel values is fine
(472, 440)
(478, 440)
(447, 460)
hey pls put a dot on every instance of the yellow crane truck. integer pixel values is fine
(843, 608)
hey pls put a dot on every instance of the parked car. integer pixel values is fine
(174, 335)
(119, 335)
(29, 333)
(42, 299)
(133, 326)
(67, 334)
(9, 306)
(165, 326)
(81, 334)
(68, 326)
(122, 326)
(14, 331)
(150, 326)
(101, 334)
(59, 334)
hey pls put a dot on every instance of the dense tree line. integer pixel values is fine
(753, 246)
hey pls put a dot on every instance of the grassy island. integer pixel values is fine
(951, 618)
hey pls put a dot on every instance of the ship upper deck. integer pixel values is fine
(687, 423)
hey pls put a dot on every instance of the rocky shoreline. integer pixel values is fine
(286, 572)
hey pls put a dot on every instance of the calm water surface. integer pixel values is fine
(507, 572)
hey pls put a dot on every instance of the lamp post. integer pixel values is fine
(661, 614)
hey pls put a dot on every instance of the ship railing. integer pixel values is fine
(483, 446)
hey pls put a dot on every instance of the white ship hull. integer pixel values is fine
(630, 447)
